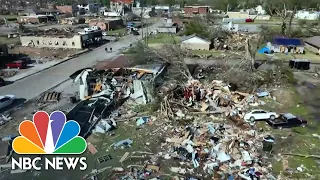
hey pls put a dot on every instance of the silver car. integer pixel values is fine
(6, 100)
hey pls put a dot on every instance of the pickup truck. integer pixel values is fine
(286, 120)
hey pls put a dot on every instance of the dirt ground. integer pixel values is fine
(43, 52)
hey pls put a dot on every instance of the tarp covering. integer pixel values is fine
(264, 50)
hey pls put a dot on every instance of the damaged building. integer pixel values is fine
(88, 112)
(55, 38)
(106, 87)
(119, 83)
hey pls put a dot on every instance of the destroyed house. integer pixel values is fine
(119, 83)
(87, 113)
(57, 38)
(286, 45)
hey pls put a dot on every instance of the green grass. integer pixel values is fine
(308, 55)
(302, 140)
(163, 38)
(5, 40)
(9, 17)
(261, 56)
(283, 56)
(120, 31)
(205, 52)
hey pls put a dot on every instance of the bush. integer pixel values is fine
(302, 23)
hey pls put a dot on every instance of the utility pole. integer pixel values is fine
(147, 35)
(142, 20)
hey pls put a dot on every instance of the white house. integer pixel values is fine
(90, 7)
(195, 42)
(255, 11)
(260, 11)
(163, 8)
(231, 27)
(308, 15)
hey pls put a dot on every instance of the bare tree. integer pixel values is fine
(284, 9)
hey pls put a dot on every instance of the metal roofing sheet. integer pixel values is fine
(288, 41)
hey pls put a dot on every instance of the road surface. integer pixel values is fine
(32, 86)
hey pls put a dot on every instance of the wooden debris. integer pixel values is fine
(93, 150)
(152, 167)
(124, 157)
(50, 97)
(303, 155)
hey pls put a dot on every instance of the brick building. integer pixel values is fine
(107, 24)
(196, 10)
(67, 9)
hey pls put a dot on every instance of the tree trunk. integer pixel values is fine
(291, 19)
(250, 54)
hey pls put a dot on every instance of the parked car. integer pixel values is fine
(6, 100)
(287, 120)
(136, 33)
(17, 64)
(260, 114)
(26, 59)
(249, 20)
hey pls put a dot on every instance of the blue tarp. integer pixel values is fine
(263, 50)
(288, 41)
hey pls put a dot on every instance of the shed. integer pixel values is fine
(168, 28)
(286, 45)
(313, 44)
(195, 42)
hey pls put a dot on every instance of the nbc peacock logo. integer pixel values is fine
(49, 135)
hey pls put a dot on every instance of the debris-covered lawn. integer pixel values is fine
(202, 128)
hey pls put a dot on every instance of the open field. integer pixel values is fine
(163, 38)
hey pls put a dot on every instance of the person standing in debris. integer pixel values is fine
(111, 49)
(106, 49)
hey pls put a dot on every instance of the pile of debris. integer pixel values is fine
(8, 73)
(50, 97)
(119, 83)
(236, 41)
(214, 98)
(66, 32)
(221, 150)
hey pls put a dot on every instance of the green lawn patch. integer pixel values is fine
(261, 56)
(163, 38)
(284, 57)
(308, 55)
(117, 31)
(210, 52)
(9, 17)
(5, 40)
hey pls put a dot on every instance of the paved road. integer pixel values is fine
(32, 86)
